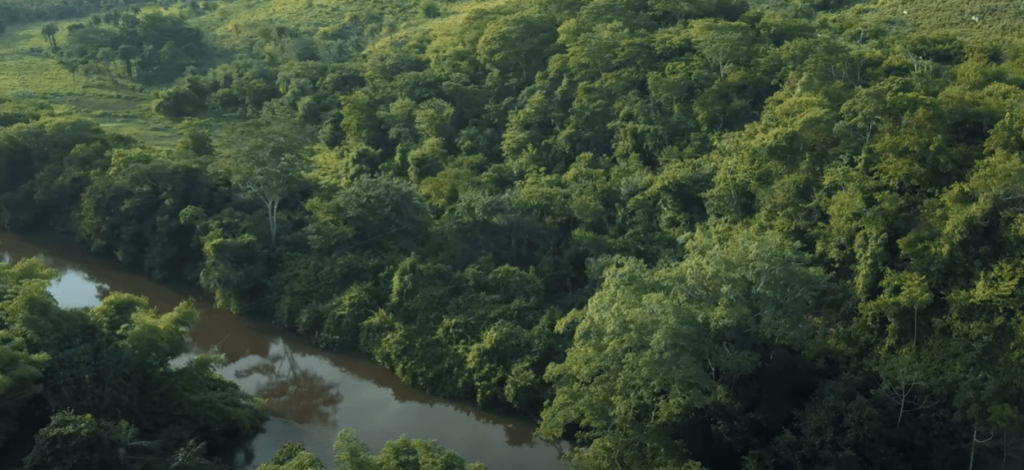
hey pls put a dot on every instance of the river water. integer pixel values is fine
(311, 393)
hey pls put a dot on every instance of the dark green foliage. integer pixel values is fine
(44, 167)
(151, 185)
(428, 9)
(116, 402)
(153, 49)
(178, 102)
(13, 112)
(49, 33)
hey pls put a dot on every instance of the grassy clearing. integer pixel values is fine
(25, 70)
(973, 20)
(233, 22)
(119, 106)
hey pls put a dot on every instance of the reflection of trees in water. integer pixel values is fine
(296, 393)
(516, 434)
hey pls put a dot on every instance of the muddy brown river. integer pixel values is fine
(312, 393)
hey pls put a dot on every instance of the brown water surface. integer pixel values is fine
(312, 393)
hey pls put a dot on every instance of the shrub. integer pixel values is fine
(178, 102)
(429, 9)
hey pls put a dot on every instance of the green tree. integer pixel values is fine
(264, 159)
(74, 441)
(19, 373)
(653, 348)
(21, 285)
(107, 56)
(292, 456)
(195, 137)
(127, 53)
(49, 33)
(400, 454)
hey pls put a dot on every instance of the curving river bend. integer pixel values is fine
(312, 393)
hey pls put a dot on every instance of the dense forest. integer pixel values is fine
(610, 216)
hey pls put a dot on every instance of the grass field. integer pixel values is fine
(973, 20)
(120, 106)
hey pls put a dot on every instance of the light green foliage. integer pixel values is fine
(352, 454)
(96, 444)
(293, 457)
(22, 293)
(264, 161)
(400, 454)
(652, 347)
(195, 137)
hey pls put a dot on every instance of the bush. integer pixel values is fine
(429, 9)
(178, 102)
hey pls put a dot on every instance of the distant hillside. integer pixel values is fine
(973, 20)
(16, 11)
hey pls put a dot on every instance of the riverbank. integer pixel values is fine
(311, 392)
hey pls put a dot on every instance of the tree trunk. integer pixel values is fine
(974, 440)
(272, 218)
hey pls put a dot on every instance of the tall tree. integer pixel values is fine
(126, 53)
(264, 159)
(50, 33)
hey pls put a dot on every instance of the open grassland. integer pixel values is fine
(234, 22)
(24, 69)
(118, 105)
(973, 20)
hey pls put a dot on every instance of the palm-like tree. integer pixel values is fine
(49, 33)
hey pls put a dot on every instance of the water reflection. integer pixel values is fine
(75, 287)
(292, 390)
(311, 393)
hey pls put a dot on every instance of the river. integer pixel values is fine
(311, 393)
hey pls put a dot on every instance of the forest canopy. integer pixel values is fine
(681, 234)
